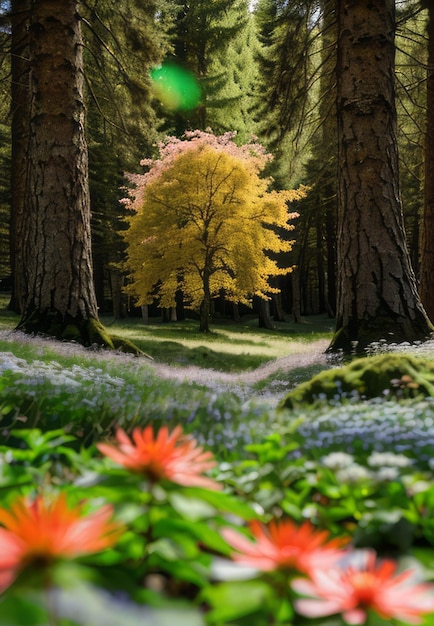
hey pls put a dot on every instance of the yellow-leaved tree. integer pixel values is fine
(203, 219)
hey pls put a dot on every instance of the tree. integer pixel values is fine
(5, 152)
(57, 295)
(20, 103)
(427, 248)
(288, 97)
(233, 78)
(50, 235)
(206, 221)
(203, 34)
(376, 292)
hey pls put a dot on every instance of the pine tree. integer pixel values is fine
(377, 294)
(205, 38)
(427, 248)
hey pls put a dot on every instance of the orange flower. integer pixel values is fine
(371, 586)
(174, 456)
(42, 532)
(283, 545)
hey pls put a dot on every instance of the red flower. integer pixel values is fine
(42, 532)
(284, 545)
(371, 586)
(173, 457)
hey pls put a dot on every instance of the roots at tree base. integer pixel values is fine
(357, 336)
(87, 332)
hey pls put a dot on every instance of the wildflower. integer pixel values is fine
(385, 474)
(354, 474)
(389, 459)
(41, 532)
(337, 460)
(370, 586)
(283, 545)
(173, 457)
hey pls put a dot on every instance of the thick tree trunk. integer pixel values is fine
(20, 114)
(427, 243)
(377, 296)
(57, 294)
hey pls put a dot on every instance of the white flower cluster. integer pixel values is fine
(382, 466)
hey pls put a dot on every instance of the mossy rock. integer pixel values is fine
(398, 375)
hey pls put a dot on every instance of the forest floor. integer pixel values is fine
(300, 355)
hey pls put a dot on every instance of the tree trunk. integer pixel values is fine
(20, 114)
(376, 292)
(205, 306)
(264, 318)
(116, 285)
(204, 313)
(57, 294)
(296, 300)
(278, 313)
(427, 242)
(145, 313)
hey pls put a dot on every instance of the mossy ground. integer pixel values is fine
(389, 374)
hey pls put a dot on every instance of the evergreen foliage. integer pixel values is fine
(123, 42)
(211, 40)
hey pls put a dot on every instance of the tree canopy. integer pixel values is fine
(204, 221)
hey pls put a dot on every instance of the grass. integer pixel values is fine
(229, 347)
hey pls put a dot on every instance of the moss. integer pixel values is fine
(87, 332)
(125, 345)
(398, 375)
(93, 332)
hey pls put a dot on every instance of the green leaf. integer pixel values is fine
(179, 529)
(222, 501)
(192, 508)
(230, 601)
(19, 611)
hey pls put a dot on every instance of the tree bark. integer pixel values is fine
(376, 292)
(264, 317)
(204, 313)
(20, 114)
(205, 306)
(57, 294)
(427, 235)
(296, 300)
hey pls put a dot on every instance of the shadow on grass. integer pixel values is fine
(229, 347)
(177, 354)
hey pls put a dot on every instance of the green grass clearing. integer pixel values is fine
(229, 347)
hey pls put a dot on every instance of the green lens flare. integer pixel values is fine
(176, 87)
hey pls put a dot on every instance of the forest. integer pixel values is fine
(348, 117)
(185, 162)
